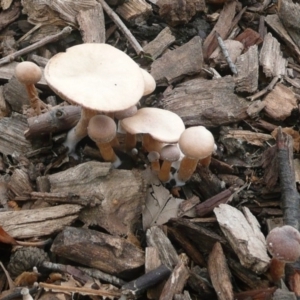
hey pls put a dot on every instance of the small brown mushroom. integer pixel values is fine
(153, 158)
(196, 143)
(169, 154)
(283, 243)
(102, 130)
(28, 73)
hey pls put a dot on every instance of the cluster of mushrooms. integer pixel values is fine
(108, 84)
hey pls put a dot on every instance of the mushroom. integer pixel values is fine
(98, 77)
(168, 154)
(102, 130)
(153, 158)
(196, 143)
(158, 126)
(283, 243)
(149, 82)
(28, 73)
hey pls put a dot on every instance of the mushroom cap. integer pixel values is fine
(149, 82)
(129, 112)
(96, 76)
(102, 129)
(283, 243)
(153, 156)
(170, 153)
(28, 72)
(196, 142)
(163, 125)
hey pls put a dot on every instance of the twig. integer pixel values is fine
(226, 54)
(290, 198)
(134, 43)
(265, 90)
(49, 39)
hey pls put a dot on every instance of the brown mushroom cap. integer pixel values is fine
(196, 142)
(28, 72)
(102, 129)
(149, 82)
(170, 153)
(96, 76)
(129, 112)
(161, 124)
(284, 243)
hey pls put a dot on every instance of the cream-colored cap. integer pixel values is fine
(163, 125)
(149, 82)
(96, 76)
(28, 72)
(196, 142)
(170, 153)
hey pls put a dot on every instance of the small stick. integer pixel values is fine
(134, 43)
(290, 198)
(49, 39)
(226, 54)
(265, 90)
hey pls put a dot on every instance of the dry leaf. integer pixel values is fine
(26, 279)
(6, 238)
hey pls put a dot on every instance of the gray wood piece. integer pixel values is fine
(247, 66)
(167, 253)
(4, 108)
(167, 70)
(270, 57)
(206, 102)
(38, 222)
(163, 40)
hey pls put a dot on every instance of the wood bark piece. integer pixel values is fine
(135, 11)
(166, 69)
(274, 22)
(20, 183)
(243, 233)
(123, 193)
(202, 102)
(107, 253)
(270, 58)
(10, 14)
(56, 120)
(91, 24)
(156, 47)
(38, 222)
(249, 38)
(176, 282)
(219, 273)
(280, 102)
(247, 66)
(179, 12)
(5, 110)
(167, 254)
(222, 27)
(12, 135)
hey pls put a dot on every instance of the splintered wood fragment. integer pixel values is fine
(176, 282)
(12, 135)
(166, 69)
(135, 11)
(178, 12)
(223, 27)
(255, 108)
(92, 25)
(5, 110)
(280, 102)
(121, 207)
(202, 237)
(247, 66)
(105, 252)
(167, 253)
(38, 222)
(243, 233)
(267, 89)
(201, 102)
(156, 47)
(249, 38)
(8, 15)
(282, 294)
(289, 14)
(184, 296)
(264, 293)
(271, 59)
(20, 183)
(219, 273)
(54, 121)
(274, 22)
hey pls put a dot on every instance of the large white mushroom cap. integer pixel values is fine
(96, 76)
(163, 125)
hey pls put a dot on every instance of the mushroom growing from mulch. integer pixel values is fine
(98, 77)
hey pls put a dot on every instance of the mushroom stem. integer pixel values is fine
(205, 162)
(164, 173)
(187, 167)
(277, 269)
(77, 133)
(107, 152)
(130, 141)
(35, 101)
(150, 144)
